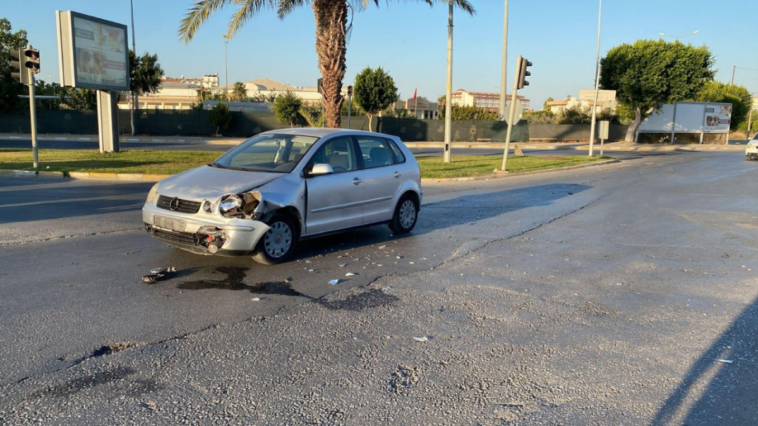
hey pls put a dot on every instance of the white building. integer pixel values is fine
(557, 107)
(423, 109)
(491, 101)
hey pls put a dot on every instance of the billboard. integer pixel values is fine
(93, 52)
(718, 118)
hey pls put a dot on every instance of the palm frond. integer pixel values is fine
(287, 6)
(247, 9)
(464, 5)
(197, 15)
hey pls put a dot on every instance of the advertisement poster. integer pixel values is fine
(101, 55)
(718, 117)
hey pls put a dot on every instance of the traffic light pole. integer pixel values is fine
(33, 112)
(512, 114)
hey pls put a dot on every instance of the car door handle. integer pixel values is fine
(397, 174)
(357, 181)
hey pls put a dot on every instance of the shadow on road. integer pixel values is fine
(730, 396)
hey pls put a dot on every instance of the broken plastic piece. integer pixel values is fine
(351, 274)
(334, 282)
(160, 274)
(727, 361)
(256, 299)
(343, 265)
(382, 247)
(421, 339)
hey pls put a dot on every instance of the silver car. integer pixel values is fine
(283, 186)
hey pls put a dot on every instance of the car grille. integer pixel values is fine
(182, 206)
(175, 237)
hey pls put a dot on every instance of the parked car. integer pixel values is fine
(284, 186)
(751, 151)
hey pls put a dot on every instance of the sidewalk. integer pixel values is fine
(547, 146)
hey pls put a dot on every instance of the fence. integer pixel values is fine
(244, 124)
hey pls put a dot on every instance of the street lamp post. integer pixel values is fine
(504, 71)
(597, 80)
(226, 70)
(676, 38)
(449, 92)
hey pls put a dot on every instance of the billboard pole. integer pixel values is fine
(449, 92)
(512, 114)
(135, 97)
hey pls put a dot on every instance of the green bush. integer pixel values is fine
(220, 117)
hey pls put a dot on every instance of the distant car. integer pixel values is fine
(283, 186)
(751, 151)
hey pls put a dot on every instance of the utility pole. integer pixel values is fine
(597, 80)
(504, 71)
(734, 69)
(135, 97)
(449, 93)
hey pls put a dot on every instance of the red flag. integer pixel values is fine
(415, 92)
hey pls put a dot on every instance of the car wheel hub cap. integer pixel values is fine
(278, 239)
(407, 214)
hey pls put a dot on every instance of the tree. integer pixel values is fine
(9, 87)
(332, 29)
(287, 108)
(76, 98)
(738, 96)
(374, 91)
(239, 92)
(545, 107)
(649, 73)
(144, 77)
(220, 117)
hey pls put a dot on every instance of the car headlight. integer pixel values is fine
(152, 196)
(230, 205)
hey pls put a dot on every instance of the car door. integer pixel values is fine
(335, 201)
(383, 178)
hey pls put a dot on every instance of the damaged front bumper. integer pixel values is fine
(203, 233)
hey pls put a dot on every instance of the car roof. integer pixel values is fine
(321, 132)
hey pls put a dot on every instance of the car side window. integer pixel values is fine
(376, 152)
(338, 153)
(398, 155)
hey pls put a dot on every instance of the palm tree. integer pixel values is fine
(332, 28)
(239, 92)
(144, 76)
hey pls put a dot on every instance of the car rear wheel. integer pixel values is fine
(406, 215)
(278, 243)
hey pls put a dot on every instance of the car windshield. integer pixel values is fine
(755, 137)
(276, 153)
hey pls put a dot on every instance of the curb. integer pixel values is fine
(145, 177)
(128, 177)
(508, 174)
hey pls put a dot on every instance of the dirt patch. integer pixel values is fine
(403, 378)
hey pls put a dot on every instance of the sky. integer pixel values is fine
(409, 40)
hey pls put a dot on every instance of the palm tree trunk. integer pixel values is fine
(331, 29)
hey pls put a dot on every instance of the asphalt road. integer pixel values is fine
(619, 294)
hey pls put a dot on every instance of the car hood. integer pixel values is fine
(210, 183)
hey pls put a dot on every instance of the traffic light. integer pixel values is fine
(31, 59)
(350, 90)
(18, 71)
(523, 73)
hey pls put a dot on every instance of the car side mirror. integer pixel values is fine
(321, 169)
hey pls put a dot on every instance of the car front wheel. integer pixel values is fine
(278, 243)
(406, 214)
